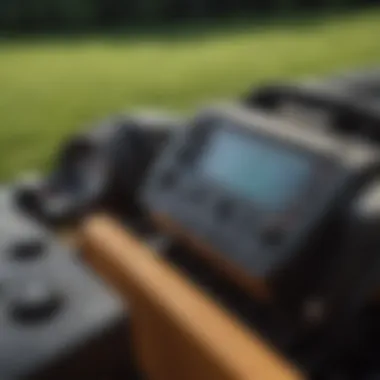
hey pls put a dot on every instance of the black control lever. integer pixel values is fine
(100, 168)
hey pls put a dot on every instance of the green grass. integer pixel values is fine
(49, 88)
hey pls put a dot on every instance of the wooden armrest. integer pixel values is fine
(180, 333)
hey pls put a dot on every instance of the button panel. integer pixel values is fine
(51, 305)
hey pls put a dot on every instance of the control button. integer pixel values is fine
(35, 303)
(27, 249)
(272, 235)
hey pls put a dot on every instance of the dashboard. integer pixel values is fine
(250, 191)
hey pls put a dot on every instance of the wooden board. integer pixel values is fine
(179, 332)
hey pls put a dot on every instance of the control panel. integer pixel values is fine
(54, 312)
(250, 190)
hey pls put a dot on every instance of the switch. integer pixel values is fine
(35, 302)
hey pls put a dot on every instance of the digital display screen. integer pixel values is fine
(269, 176)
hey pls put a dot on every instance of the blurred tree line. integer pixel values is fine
(53, 15)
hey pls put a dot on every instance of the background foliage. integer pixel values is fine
(54, 84)
(59, 15)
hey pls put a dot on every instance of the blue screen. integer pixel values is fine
(269, 176)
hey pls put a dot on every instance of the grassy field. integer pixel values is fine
(50, 88)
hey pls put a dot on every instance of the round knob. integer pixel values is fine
(27, 194)
(34, 303)
(28, 249)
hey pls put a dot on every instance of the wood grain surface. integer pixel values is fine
(180, 333)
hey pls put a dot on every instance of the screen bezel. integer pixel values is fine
(322, 167)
